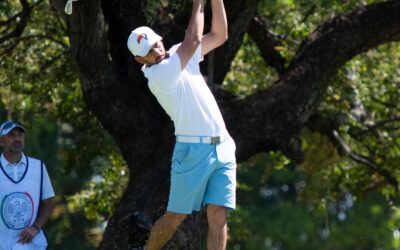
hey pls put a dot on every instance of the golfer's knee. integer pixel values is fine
(216, 216)
(174, 219)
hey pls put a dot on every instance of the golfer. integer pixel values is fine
(203, 171)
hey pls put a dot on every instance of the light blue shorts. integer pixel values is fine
(202, 174)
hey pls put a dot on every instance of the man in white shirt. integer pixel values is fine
(203, 171)
(26, 193)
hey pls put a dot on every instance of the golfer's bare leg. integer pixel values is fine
(163, 230)
(217, 227)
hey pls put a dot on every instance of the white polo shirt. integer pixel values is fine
(185, 96)
(17, 171)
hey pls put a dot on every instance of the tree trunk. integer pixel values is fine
(116, 92)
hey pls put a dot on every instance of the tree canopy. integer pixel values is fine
(308, 89)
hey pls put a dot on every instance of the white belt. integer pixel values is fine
(201, 139)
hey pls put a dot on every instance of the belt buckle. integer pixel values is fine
(215, 140)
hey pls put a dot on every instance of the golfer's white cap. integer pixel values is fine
(8, 126)
(141, 40)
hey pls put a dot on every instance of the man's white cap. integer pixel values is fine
(141, 40)
(6, 127)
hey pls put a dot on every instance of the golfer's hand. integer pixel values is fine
(27, 235)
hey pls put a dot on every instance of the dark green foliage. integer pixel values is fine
(329, 202)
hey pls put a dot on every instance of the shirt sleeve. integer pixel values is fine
(47, 189)
(164, 76)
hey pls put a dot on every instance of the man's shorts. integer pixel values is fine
(202, 174)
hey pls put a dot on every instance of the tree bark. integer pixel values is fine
(116, 92)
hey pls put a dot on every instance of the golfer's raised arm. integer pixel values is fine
(219, 28)
(193, 34)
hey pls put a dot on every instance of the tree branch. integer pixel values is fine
(45, 37)
(17, 32)
(377, 125)
(308, 13)
(239, 14)
(19, 14)
(328, 125)
(24, 14)
(346, 149)
(386, 104)
(282, 110)
(48, 63)
(267, 41)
